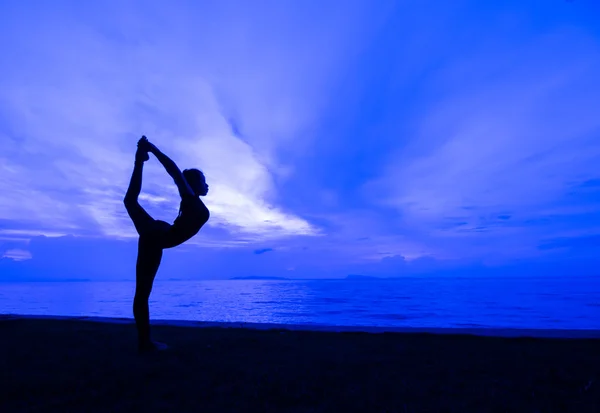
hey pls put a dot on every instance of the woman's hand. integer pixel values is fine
(146, 145)
(141, 155)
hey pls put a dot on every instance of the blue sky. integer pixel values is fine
(382, 138)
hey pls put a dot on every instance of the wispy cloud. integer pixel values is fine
(73, 112)
(505, 144)
(263, 250)
(383, 138)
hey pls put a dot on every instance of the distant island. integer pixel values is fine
(258, 277)
(357, 277)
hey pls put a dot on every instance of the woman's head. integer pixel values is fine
(195, 178)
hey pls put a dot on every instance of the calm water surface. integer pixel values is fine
(410, 302)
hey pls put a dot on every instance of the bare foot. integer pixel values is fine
(152, 347)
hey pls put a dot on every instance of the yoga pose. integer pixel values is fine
(156, 235)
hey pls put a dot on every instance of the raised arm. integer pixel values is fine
(170, 166)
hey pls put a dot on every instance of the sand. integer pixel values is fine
(91, 365)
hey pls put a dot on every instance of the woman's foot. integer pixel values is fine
(152, 346)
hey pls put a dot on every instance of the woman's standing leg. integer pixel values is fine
(149, 252)
(148, 261)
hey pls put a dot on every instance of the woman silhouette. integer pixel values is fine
(156, 235)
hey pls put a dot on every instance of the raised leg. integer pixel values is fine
(142, 221)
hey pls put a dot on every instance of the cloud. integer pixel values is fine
(263, 250)
(74, 112)
(379, 139)
(69, 257)
(513, 135)
(17, 254)
(587, 244)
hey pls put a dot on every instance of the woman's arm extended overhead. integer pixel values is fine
(171, 168)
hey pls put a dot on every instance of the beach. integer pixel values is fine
(64, 364)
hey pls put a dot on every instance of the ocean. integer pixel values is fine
(546, 303)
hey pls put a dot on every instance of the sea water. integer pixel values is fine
(557, 303)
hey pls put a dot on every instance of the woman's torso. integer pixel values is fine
(193, 214)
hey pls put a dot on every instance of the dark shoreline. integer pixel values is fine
(476, 331)
(69, 364)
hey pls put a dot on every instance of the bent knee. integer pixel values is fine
(142, 295)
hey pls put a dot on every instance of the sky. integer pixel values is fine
(389, 138)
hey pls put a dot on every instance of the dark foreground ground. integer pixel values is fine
(78, 366)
